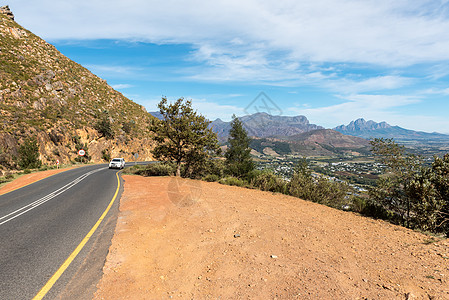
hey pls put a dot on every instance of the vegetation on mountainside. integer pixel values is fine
(29, 154)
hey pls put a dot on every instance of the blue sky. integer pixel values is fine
(332, 61)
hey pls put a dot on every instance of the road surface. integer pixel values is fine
(43, 223)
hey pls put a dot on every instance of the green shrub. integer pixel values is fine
(104, 126)
(358, 204)
(372, 209)
(106, 154)
(9, 176)
(211, 178)
(267, 181)
(319, 190)
(26, 171)
(29, 154)
(157, 169)
(233, 181)
(201, 168)
(134, 169)
(44, 168)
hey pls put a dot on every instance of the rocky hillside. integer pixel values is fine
(45, 95)
(264, 125)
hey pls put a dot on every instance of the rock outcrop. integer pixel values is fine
(6, 11)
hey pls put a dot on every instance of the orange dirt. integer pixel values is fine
(179, 238)
(28, 179)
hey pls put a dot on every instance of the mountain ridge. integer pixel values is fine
(265, 125)
(371, 129)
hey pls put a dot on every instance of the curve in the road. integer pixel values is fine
(46, 288)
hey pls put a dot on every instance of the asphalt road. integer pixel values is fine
(41, 225)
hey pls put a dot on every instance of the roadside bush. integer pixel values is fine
(233, 181)
(26, 171)
(197, 169)
(133, 169)
(267, 181)
(211, 178)
(157, 169)
(44, 168)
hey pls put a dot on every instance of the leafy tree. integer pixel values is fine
(182, 135)
(29, 154)
(393, 191)
(238, 155)
(440, 168)
(413, 191)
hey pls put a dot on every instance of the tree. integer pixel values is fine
(104, 127)
(415, 192)
(182, 135)
(29, 154)
(238, 155)
(440, 168)
(393, 190)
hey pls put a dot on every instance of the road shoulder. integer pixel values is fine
(190, 239)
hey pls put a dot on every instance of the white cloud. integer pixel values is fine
(121, 86)
(435, 91)
(352, 48)
(112, 70)
(400, 32)
(210, 109)
(213, 110)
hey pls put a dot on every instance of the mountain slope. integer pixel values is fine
(46, 95)
(264, 125)
(320, 142)
(328, 142)
(371, 129)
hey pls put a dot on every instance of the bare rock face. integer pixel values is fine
(6, 11)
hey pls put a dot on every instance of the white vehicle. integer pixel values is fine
(117, 163)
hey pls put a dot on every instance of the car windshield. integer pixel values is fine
(116, 160)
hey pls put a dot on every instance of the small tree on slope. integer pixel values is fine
(182, 134)
(238, 158)
(29, 154)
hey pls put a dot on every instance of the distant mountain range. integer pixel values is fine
(263, 125)
(274, 135)
(280, 135)
(371, 129)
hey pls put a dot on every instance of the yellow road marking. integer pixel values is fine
(46, 288)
